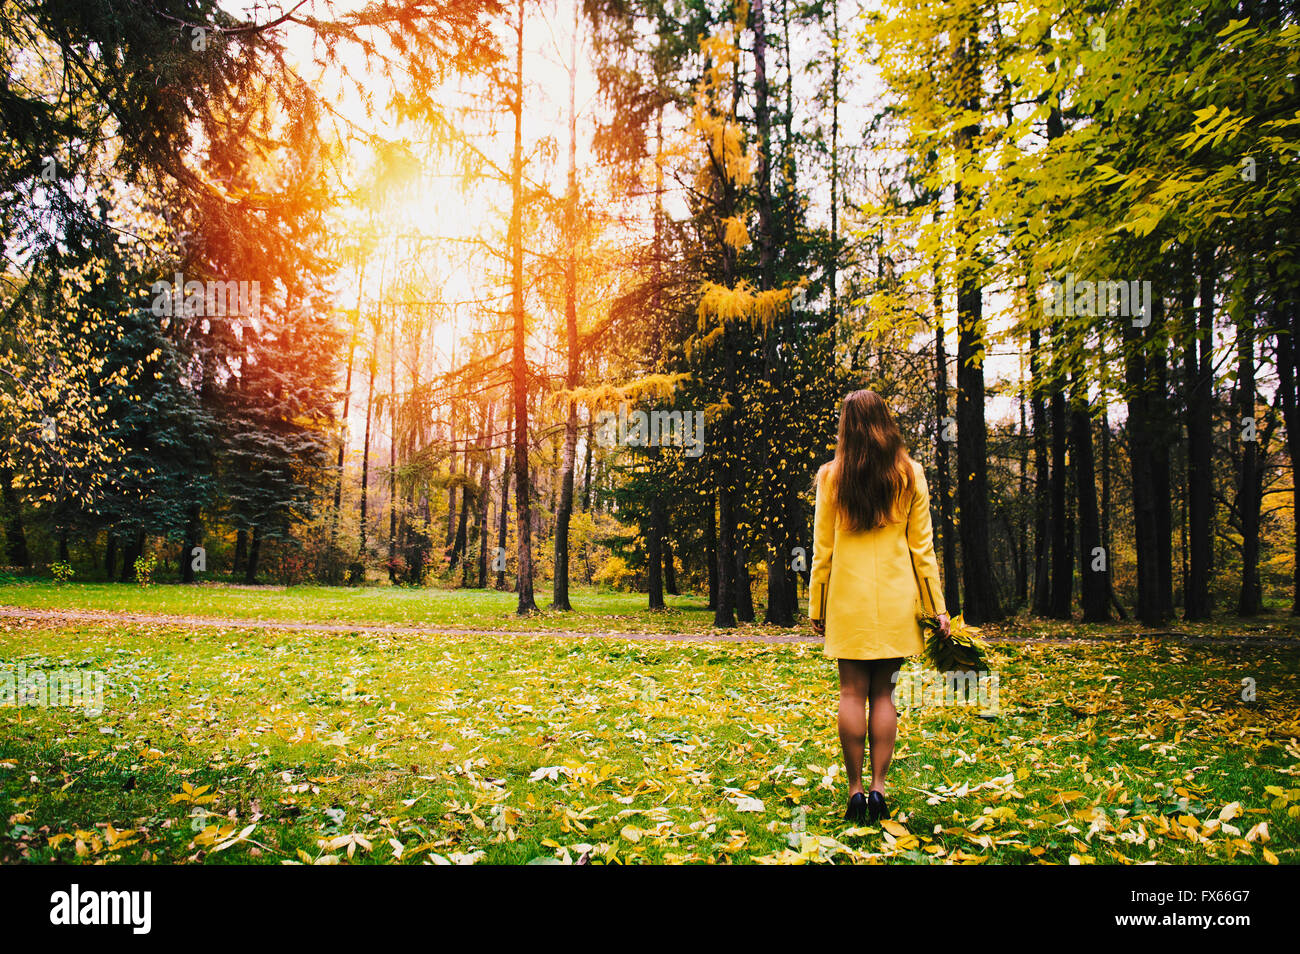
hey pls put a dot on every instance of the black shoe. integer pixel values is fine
(876, 807)
(857, 811)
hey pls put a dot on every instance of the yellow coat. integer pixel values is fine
(871, 586)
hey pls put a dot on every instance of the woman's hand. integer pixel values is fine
(945, 624)
(819, 627)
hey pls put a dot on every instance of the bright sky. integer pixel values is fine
(441, 219)
(441, 208)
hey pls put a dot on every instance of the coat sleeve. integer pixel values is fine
(823, 546)
(920, 541)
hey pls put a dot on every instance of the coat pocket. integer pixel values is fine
(817, 600)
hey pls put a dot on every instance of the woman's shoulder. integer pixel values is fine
(919, 485)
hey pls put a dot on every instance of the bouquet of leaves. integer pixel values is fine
(961, 650)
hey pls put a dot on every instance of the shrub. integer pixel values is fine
(613, 572)
(62, 572)
(144, 569)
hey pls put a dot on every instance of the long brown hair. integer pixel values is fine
(871, 477)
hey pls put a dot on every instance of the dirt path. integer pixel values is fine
(215, 622)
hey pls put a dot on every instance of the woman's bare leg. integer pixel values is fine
(883, 722)
(855, 684)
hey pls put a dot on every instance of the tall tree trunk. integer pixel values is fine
(788, 222)
(1094, 560)
(728, 473)
(470, 499)
(357, 574)
(1042, 592)
(130, 551)
(981, 599)
(413, 534)
(564, 513)
(1250, 600)
(586, 470)
(779, 612)
(724, 613)
(393, 575)
(334, 566)
(1062, 526)
(654, 549)
(503, 513)
(1285, 319)
(670, 571)
(947, 530)
(1105, 507)
(254, 555)
(451, 456)
(1197, 359)
(460, 542)
(711, 554)
(1138, 382)
(1166, 432)
(1022, 516)
(241, 550)
(835, 170)
(1057, 598)
(552, 488)
(519, 367)
(451, 484)
(654, 528)
(981, 603)
(485, 496)
(742, 585)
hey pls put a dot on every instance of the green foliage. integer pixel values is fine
(144, 567)
(145, 140)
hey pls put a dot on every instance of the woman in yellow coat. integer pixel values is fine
(874, 573)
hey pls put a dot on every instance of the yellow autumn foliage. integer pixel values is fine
(606, 396)
(736, 235)
(720, 304)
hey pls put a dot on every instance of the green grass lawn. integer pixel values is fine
(268, 746)
(595, 610)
